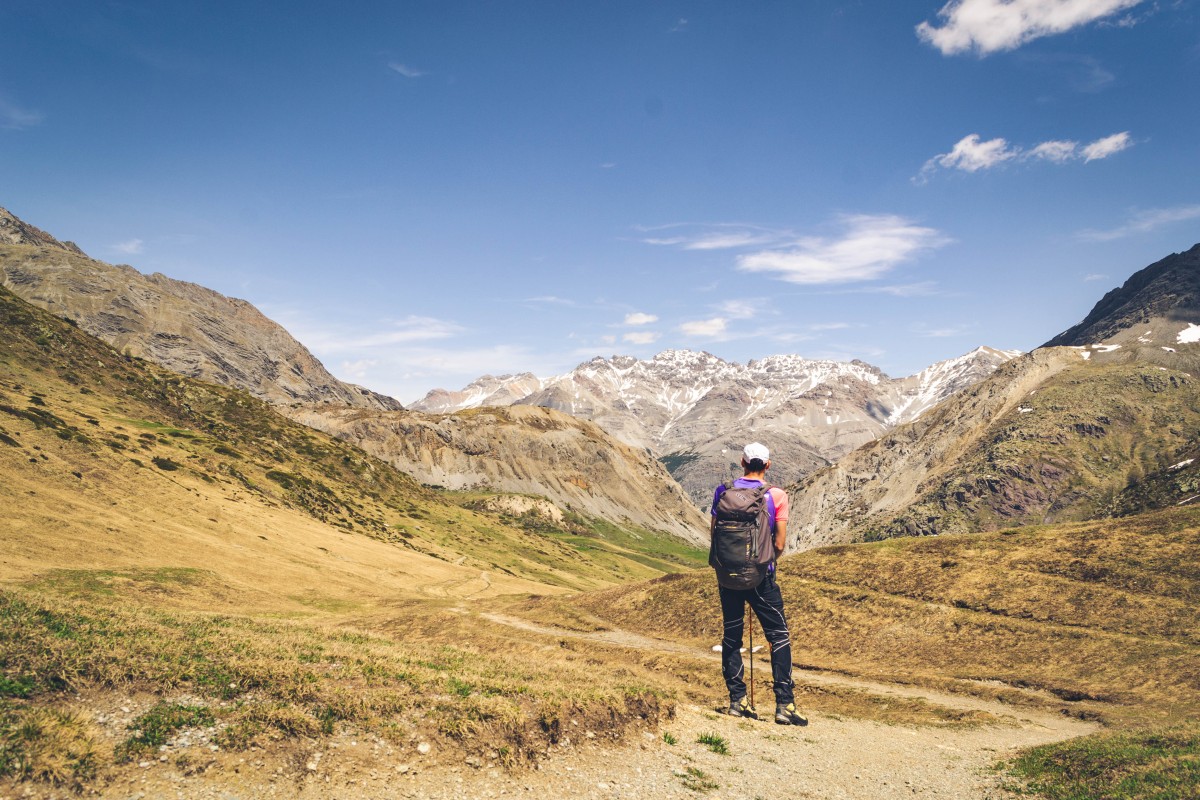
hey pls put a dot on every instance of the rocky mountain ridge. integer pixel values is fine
(187, 328)
(14, 231)
(696, 410)
(1072, 432)
(1163, 297)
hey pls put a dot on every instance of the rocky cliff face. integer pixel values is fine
(14, 231)
(697, 411)
(522, 449)
(1152, 307)
(187, 328)
(1063, 433)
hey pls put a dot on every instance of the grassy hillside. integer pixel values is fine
(124, 439)
(1099, 615)
(182, 547)
(1050, 437)
(1064, 454)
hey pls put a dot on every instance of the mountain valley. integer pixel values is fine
(224, 573)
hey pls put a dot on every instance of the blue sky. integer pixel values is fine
(423, 192)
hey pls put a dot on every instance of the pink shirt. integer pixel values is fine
(779, 500)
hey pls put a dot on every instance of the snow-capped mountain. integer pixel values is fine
(695, 410)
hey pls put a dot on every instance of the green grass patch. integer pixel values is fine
(697, 780)
(158, 725)
(715, 742)
(1147, 765)
(157, 427)
(110, 583)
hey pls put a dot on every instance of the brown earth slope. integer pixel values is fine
(523, 449)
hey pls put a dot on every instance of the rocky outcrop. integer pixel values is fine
(14, 231)
(522, 449)
(184, 327)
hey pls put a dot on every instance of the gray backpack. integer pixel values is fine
(742, 549)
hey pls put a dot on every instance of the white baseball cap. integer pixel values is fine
(755, 450)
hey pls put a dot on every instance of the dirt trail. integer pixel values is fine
(834, 758)
(848, 759)
(638, 641)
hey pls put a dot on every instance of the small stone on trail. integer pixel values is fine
(424, 747)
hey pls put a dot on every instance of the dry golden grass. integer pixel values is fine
(178, 540)
(1099, 615)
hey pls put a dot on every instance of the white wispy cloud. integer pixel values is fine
(15, 118)
(918, 289)
(640, 318)
(1057, 151)
(1094, 276)
(405, 70)
(743, 309)
(942, 333)
(828, 326)
(641, 337)
(724, 236)
(1103, 148)
(550, 299)
(971, 154)
(1143, 222)
(709, 328)
(869, 247)
(680, 25)
(345, 339)
(358, 370)
(989, 26)
(130, 248)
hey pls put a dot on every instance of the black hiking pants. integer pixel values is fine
(767, 603)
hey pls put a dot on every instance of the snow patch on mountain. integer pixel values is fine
(1189, 335)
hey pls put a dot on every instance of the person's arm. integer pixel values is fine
(780, 499)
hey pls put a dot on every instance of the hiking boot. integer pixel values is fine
(741, 708)
(786, 715)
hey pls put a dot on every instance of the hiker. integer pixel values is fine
(748, 532)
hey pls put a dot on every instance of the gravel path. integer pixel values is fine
(831, 759)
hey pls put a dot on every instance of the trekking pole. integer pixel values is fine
(751, 654)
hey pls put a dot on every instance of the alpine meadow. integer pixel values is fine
(568, 330)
